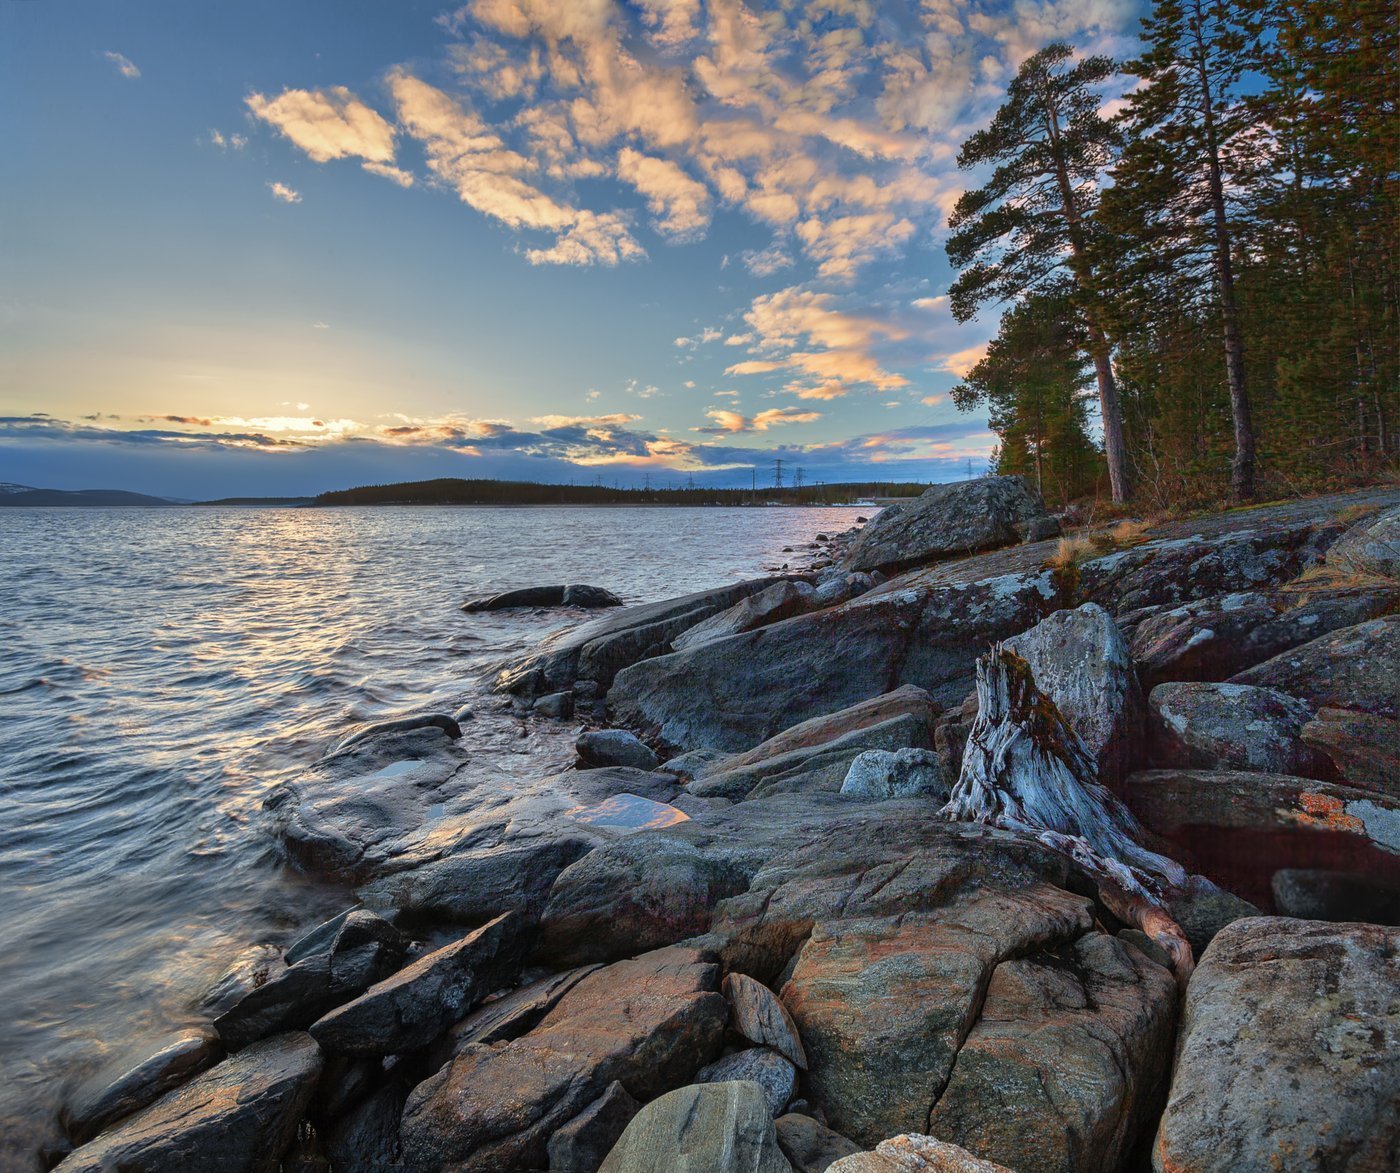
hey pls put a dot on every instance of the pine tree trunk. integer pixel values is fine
(1024, 769)
(1111, 411)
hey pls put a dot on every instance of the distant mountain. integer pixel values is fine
(26, 495)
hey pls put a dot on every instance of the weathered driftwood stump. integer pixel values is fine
(1024, 769)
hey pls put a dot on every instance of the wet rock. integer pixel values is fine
(1313, 894)
(714, 1128)
(576, 595)
(773, 1073)
(648, 1023)
(251, 968)
(641, 893)
(782, 600)
(1216, 638)
(1071, 1048)
(599, 649)
(1371, 546)
(100, 1101)
(1081, 663)
(948, 520)
(1364, 749)
(559, 705)
(442, 721)
(902, 773)
(1231, 727)
(761, 1017)
(241, 1114)
(411, 1008)
(585, 1141)
(366, 1138)
(809, 1146)
(693, 764)
(914, 1153)
(1353, 668)
(1240, 827)
(330, 964)
(1290, 1051)
(615, 747)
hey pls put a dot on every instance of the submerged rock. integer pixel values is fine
(948, 520)
(708, 1128)
(576, 595)
(239, 1115)
(1290, 1051)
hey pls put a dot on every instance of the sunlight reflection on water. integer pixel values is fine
(160, 670)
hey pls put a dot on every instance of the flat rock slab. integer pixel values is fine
(411, 1008)
(1352, 668)
(239, 1115)
(711, 1128)
(648, 1023)
(1239, 827)
(1197, 726)
(1290, 1052)
(780, 601)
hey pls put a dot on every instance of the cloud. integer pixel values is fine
(396, 174)
(327, 124)
(962, 361)
(681, 205)
(729, 422)
(707, 335)
(284, 193)
(124, 65)
(766, 262)
(227, 142)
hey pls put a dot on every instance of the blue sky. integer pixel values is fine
(271, 248)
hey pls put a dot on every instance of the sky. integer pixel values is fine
(273, 248)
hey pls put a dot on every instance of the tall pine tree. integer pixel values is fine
(1029, 228)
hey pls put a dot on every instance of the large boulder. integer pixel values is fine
(410, 1009)
(1289, 1055)
(648, 1023)
(1240, 827)
(1215, 638)
(902, 773)
(707, 1128)
(771, 1071)
(782, 600)
(599, 649)
(1352, 668)
(614, 747)
(1371, 546)
(1364, 749)
(239, 1115)
(1081, 663)
(1232, 727)
(947, 520)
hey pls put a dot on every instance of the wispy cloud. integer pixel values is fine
(124, 65)
(284, 193)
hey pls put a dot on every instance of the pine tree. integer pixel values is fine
(1188, 143)
(1029, 228)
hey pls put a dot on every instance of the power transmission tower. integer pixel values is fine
(800, 473)
(778, 473)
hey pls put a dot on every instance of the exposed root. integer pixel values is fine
(1026, 770)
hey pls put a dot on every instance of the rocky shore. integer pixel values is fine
(966, 847)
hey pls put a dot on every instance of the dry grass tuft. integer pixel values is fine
(1324, 579)
(1354, 513)
(1070, 552)
(1128, 533)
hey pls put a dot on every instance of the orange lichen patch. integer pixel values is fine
(1325, 813)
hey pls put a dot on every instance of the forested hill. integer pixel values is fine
(456, 491)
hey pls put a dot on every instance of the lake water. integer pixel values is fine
(161, 670)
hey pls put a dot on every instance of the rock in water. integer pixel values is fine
(1232, 727)
(761, 1017)
(1081, 662)
(947, 520)
(410, 1009)
(711, 1128)
(577, 595)
(902, 773)
(913, 1153)
(774, 1074)
(614, 747)
(240, 1115)
(1289, 1055)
